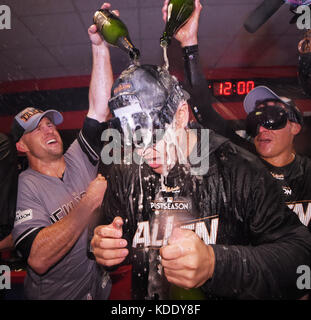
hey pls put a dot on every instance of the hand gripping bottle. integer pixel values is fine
(178, 12)
(115, 32)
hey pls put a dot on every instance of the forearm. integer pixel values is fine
(101, 83)
(202, 102)
(54, 241)
(194, 75)
(201, 98)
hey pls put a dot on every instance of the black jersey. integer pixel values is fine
(8, 184)
(235, 206)
(294, 178)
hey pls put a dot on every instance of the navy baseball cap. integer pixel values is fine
(29, 118)
(262, 93)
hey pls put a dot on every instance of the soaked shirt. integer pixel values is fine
(235, 207)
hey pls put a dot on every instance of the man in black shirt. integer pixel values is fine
(273, 144)
(191, 208)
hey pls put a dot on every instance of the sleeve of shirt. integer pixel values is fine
(30, 218)
(279, 244)
(90, 138)
(201, 100)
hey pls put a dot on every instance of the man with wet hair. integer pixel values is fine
(197, 211)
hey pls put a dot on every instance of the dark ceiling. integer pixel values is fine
(48, 38)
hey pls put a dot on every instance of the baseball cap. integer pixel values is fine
(262, 93)
(29, 118)
(145, 97)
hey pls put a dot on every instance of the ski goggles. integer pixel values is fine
(137, 125)
(269, 117)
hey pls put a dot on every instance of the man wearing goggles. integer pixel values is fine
(273, 122)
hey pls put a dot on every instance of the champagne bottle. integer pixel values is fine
(115, 32)
(178, 12)
(177, 293)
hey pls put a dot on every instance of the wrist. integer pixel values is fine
(189, 42)
(89, 202)
(100, 49)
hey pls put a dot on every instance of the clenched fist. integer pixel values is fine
(108, 246)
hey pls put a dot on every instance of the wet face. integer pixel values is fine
(44, 142)
(275, 143)
(160, 157)
(175, 145)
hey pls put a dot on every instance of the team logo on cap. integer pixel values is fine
(28, 113)
(121, 87)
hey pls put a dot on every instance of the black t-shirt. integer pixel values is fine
(236, 207)
(294, 179)
(8, 184)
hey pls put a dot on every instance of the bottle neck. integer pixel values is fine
(125, 44)
(165, 40)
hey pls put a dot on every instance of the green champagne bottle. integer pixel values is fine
(177, 293)
(115, 32)
(178, 12)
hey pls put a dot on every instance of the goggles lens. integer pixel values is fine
(269, 117)
(136, 124)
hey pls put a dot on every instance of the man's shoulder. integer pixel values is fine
(302, 168)
(233, 155)
(118, 171)
(28, 176)
(305, 161)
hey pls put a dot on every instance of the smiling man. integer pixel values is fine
(36, 135)
(58, 195)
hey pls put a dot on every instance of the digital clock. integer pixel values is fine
(229, 88)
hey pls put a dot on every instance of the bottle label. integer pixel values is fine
(126, 43)
(100, 20)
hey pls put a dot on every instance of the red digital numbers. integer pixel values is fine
(228, 88)
(250, 85)
(223, 88)
(244, 87)
(241, 87)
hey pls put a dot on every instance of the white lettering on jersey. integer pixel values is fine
(287, 190)
(61, 212)
(22, 216)
(304, 216)
(143, 237)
